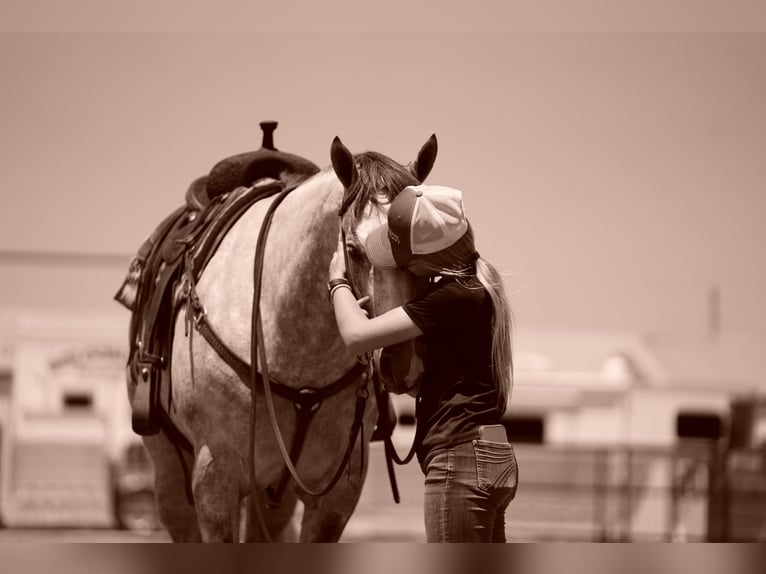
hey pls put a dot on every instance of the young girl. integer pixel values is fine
(469, 465)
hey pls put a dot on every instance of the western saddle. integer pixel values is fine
(178, 251)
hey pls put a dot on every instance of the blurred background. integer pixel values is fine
(615, 179)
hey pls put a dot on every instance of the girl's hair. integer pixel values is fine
(461, 260)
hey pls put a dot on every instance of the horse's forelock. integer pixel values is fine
(380, 177)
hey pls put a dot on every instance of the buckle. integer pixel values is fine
(199, 312)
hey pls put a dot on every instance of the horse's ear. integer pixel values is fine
(423, 164)
(343, 163)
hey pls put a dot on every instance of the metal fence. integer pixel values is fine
(696, 491)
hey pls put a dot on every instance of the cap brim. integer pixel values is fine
(378, 248)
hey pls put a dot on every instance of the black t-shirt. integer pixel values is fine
(458, 393)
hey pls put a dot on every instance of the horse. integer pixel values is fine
(200, 494)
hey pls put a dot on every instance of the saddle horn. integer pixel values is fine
(268, 128)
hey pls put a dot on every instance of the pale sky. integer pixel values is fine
(613, 177)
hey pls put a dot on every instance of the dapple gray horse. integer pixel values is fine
(212, 405)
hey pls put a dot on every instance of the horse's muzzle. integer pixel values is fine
(400, 367)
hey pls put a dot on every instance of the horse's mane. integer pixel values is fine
(380, 179)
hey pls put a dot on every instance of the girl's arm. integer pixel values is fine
(361, 334)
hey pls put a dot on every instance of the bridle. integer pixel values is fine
(347, 202)
(381, 395)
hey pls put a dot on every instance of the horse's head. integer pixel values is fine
(371, 181)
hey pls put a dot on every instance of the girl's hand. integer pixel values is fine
(338, 261)
(363, 302)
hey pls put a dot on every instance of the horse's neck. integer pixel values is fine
(303, 236)
(299, 322)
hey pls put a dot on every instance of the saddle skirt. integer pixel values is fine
(177, 250)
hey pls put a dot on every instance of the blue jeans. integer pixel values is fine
(468, 488)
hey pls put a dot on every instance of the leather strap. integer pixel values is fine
(242, 368)
(251, 377)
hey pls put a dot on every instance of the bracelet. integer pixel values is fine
(337, 288)
(336, 284)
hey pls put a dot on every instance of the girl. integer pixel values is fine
(469, 465)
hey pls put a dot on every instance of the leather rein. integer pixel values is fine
(306, 400)
(381, 395)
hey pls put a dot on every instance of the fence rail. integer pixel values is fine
(692, 492)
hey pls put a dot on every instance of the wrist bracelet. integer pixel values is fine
(335, 284)
(338, 287)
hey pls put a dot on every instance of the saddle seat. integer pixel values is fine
(244, 169)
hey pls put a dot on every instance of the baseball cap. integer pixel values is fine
(422, 219)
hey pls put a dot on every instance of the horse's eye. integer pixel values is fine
(355, 252)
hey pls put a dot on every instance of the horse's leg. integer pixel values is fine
(176, 513)
(325, 517)
(217, 492)
(278, 521)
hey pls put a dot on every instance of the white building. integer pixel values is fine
(621, 388)
(65, 419)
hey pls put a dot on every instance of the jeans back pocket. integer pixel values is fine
(496, 466)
